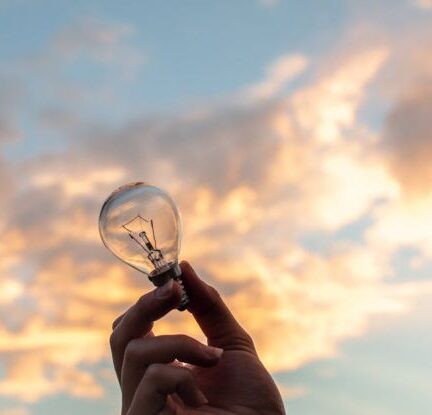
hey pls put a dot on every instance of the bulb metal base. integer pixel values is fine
(173, 271)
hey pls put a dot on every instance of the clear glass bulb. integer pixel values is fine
(141, 225)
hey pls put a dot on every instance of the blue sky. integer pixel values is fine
(257, 116)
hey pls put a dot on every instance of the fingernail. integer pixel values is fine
(214, 352)
(201, 399)
(165, 290)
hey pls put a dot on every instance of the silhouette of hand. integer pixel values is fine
(226, 377)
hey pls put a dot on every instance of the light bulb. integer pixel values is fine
(141, 225)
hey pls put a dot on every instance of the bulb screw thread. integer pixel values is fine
(174, 273)
(184, 299)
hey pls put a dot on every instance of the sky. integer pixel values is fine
(296, 138)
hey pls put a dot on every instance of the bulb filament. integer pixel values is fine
(141, 237)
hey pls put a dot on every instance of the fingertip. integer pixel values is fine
(186, 267)
(165, 291)
(168, 294)
(214, 352)
(210, 360)
(169, 289)
(196, 289)
(117, 321)
(189, 276)
(209, 309)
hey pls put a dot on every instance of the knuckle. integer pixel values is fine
(114, 340)
(214, 292)
(116, 322)
(245, 342)
(182, 339)
(215, 297)
(141, 302)
(154, 371)
(187, 345)
(133, 351)
(185, 375)
(248, 339)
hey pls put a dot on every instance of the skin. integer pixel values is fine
(224, 377)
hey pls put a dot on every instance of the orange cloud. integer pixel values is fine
(424, 4)
(83, 183)
(325, 109)
(19, 410)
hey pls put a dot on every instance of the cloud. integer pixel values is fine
(10, 290)
(53, 77)
(253, 180)
(30, 376)
(407, 140)
(10, 95)
(279, 73)
(95, 38)
(292, 392)
(405, 148)
(424, 4)
(7, 181)
(101, 42)
(79, 184)
(328, 108)
(18, 410)
(312, 301)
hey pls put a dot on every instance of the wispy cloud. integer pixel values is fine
(278, 74)
(106, 43)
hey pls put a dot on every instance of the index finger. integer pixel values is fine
(138, 320)
(213, 316)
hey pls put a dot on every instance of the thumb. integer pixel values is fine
(213, 316)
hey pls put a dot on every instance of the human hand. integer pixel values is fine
(223, 378)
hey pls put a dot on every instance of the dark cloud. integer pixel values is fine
(6, 185)
(11, 93)
(407, 140)
(7, 131)
(231, 147)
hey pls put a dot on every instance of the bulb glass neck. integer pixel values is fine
(163, 275)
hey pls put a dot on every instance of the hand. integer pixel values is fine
(225, 377)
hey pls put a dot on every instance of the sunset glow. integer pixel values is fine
(300, 159)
